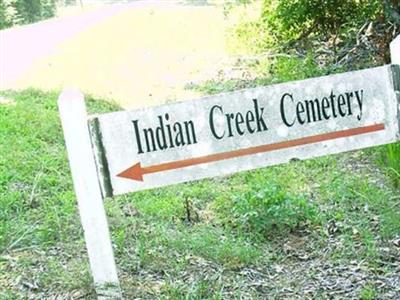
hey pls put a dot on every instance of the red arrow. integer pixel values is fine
(136, 172)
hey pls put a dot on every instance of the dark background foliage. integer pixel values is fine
(15, 12)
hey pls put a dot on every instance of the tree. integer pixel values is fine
(8, 13)
(13, 12)
(296, 19)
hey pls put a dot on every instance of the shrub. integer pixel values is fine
(8, 13)
(14, 12)
(291, 68)
(282, 22)
(264, 210)
(295, 19)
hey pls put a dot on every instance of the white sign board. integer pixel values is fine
(126, 151)
(247, 129)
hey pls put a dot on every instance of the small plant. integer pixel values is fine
(392, 162)
(295, 68)
(389, 159)
(265, 210)
(368, 292)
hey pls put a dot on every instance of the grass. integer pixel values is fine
(389, 159)
(201, 240)
(368, 293)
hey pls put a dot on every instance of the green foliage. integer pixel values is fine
(15, 12)
(262, 209)
(29, 11)
(368, 292)
(282, 22)
(8, 13)
(289, 68)
(294, 19)
(206, 242)
(390, 159)
(34, 174)
(392, 10)
(49, 9)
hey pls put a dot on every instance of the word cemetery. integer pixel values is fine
(126, 151)
(169, 134)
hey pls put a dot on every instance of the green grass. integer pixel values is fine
(190, 241)
(368, 292)
(390, 159)
(38, 212)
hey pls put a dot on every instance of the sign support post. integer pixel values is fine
(395, 57)
(88, 192)
(395, 50)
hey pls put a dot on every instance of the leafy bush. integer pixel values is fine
(263, 210)
(8, 14)
(289, 68)
(15, 12)
(282, 22)
(294, 19)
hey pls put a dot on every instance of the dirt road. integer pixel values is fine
(137, 54)
(20, 47)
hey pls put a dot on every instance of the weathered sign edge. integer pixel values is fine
(396, 77)
(100, 155)
(395, 60)
(395, 50)
(396, 86)
(393, 85)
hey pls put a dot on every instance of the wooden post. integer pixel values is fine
(73, 115)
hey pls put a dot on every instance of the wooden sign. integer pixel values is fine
(121, 152)
(247, 129)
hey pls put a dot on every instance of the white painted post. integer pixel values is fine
(395, 57)
(395, 50)
(73, 115)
